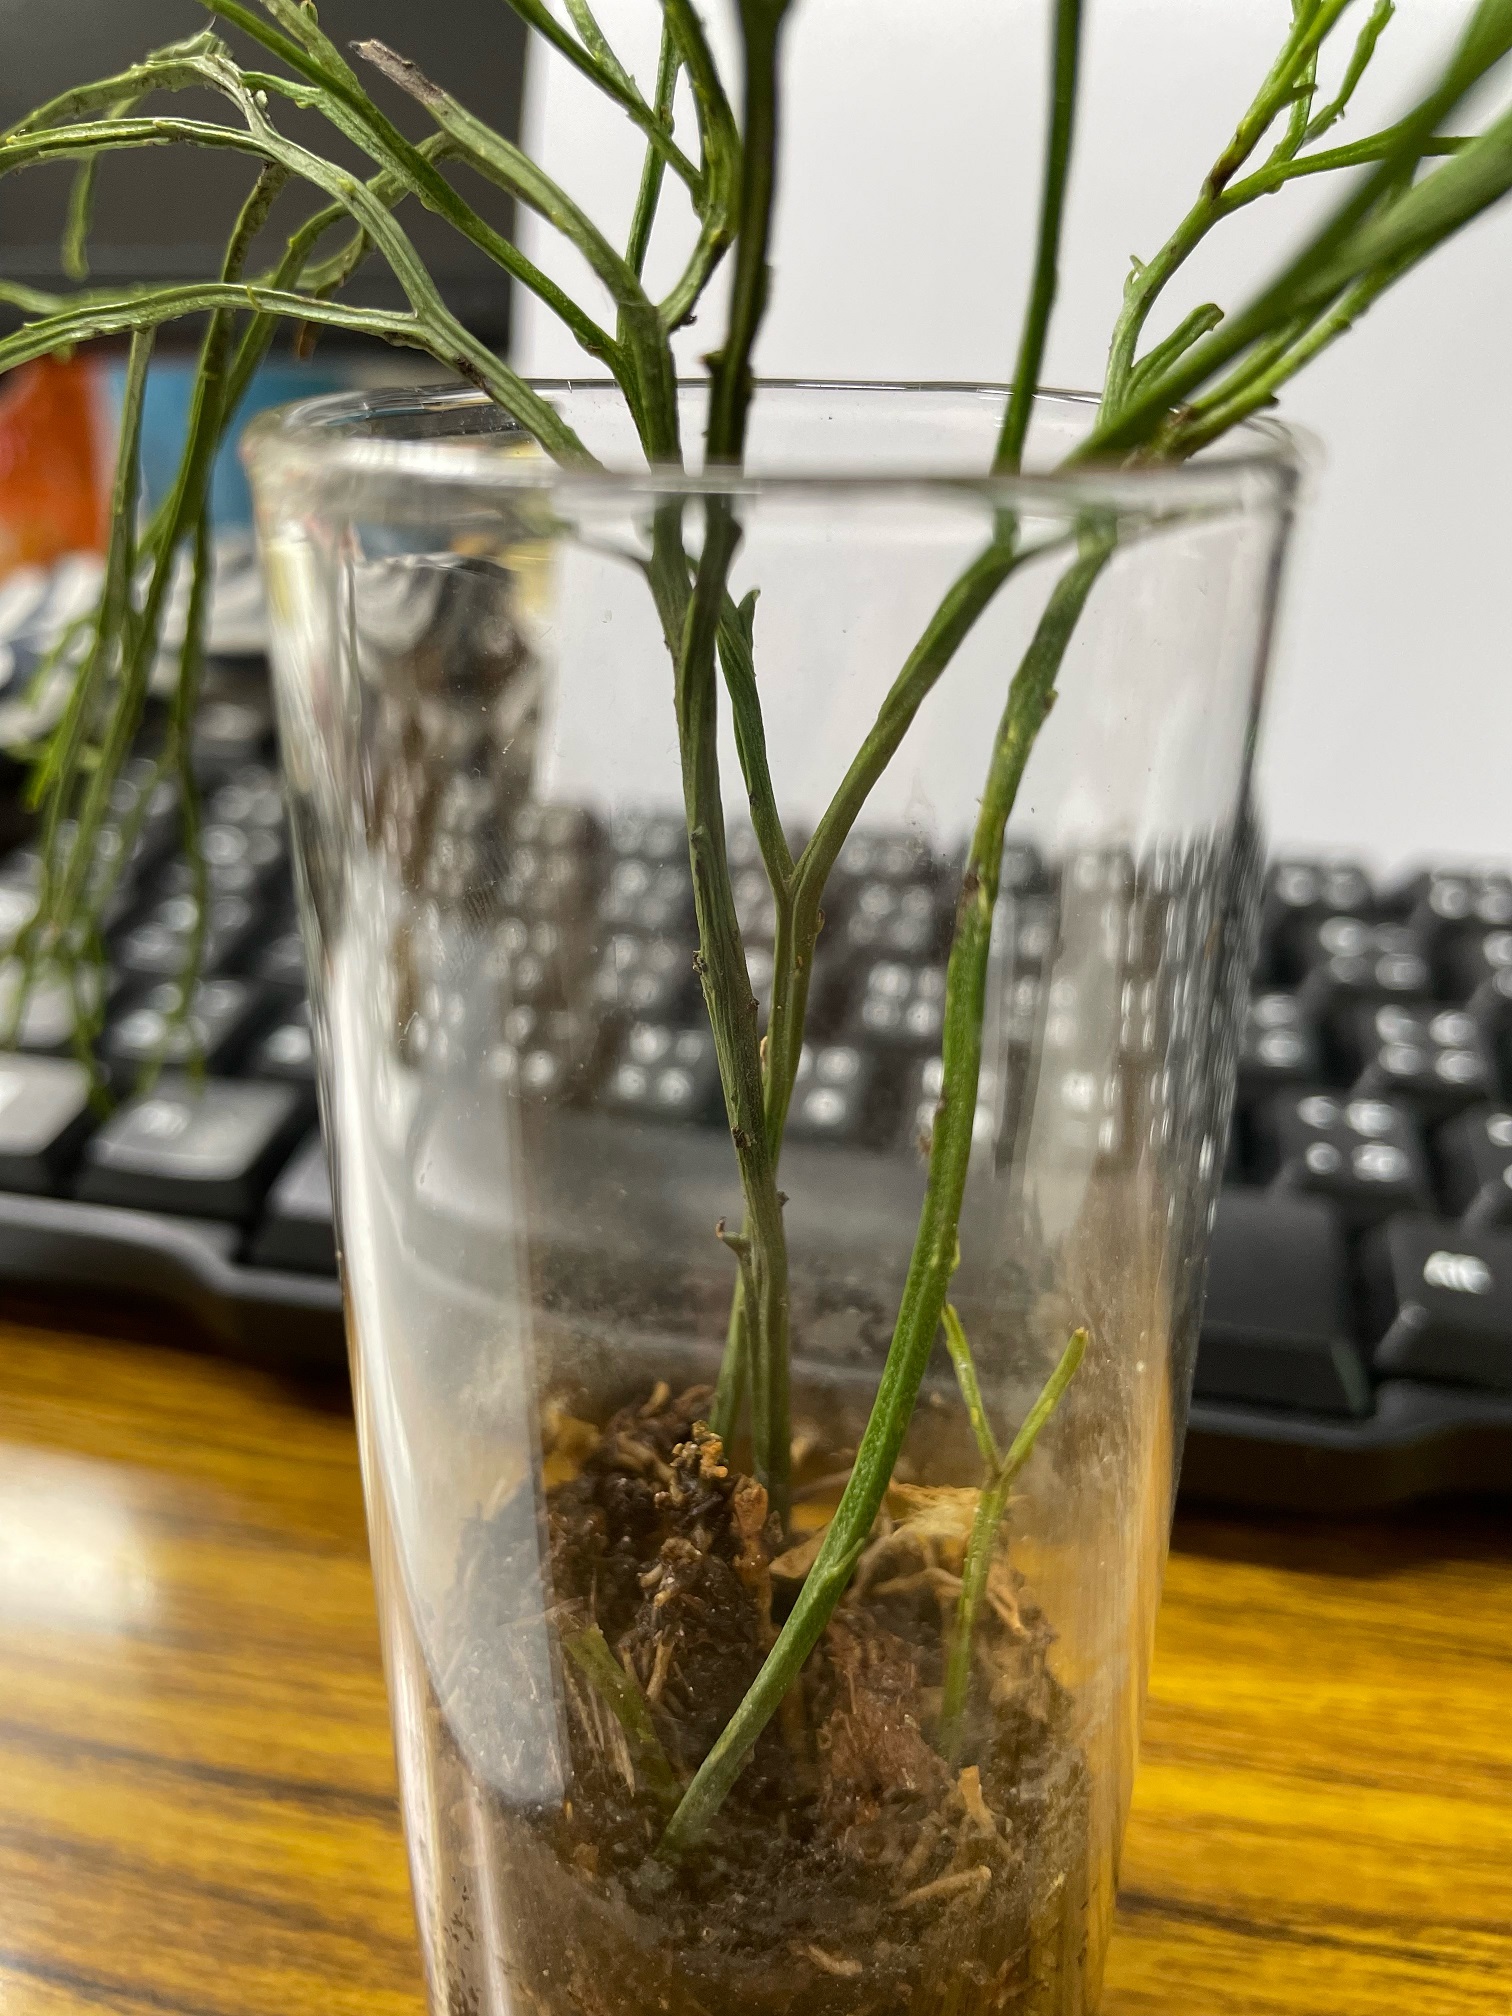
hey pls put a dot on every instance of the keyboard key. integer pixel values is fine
(658, 1073)
(1440, 1298)
(646, 979)
(45, 1113)
(1443, 903)
(462, 867)
(1275, 1327)
(1280, 1044)
(1088, 1109)
(831, 1093)
(251, 796)
(901, 920)
(543, 1053)
(239, 861)
(1475, 957)
(878, 854)
(279, 960)
(651, 899)
(1348, 960)
(157, 1029)
(297, 1228)
(1491, 1005)
(1299, 894)
(1364, 1154)
(230, 733)
(49, 1019)
(535, 964)
(1475, 1153)
(208, 1150)
(1436, 1058)
(649, 836)
(755, 906)
(900, 1007)
(21, 875)
(1026, 931)
(468, 803)
(561, 829)
(287, 1050)
(158, 947)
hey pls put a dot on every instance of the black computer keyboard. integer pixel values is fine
(1356, 1348)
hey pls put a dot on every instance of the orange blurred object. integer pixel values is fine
(52, 500)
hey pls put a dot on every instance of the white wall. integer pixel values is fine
(910, 165)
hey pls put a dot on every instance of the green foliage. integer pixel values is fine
(1404, 191)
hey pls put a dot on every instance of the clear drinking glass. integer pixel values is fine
(531, 1158)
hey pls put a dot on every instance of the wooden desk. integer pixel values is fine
(196, 1789)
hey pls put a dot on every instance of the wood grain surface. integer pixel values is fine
(197, 1806)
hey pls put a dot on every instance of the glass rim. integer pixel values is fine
(1273, 459)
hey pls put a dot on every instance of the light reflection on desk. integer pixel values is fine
(73, 1554)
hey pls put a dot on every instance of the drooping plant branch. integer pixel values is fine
(1161, 402)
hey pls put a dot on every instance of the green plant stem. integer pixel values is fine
(338, 96)
(756, 1351)
(1209, 419)
(966, 1378)
(183, 512)
(654, 168)
(1148, 281)
(616, 85)
(730, 366)
(641, 361)
(992, 1503)
(1064, 61)
(1384, 218)
(81, 206)
(935, 1245)
(433, 327)
(589, 1652)
(726, 982)
(1375, 26)
(1182, 337)
(722, 153)
(959, 609)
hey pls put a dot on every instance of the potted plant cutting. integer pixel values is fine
(761, 1625)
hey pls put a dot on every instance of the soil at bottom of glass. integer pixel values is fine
(853, 1867)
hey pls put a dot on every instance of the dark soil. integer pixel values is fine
(852, 1868)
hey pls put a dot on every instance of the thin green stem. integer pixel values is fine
(654, 168)
(966, 1378)
(75, 249)
(721, 151)
(727, 986)
(1064, 60)
(56, 776)
(992, 1503)
(935, 1245)
(438, 329)
(168, 69)
(1377, 222)
(1182, 337)
(1370, 34)
(185, 506)
(641, 360)
(589, 1652)
(1148, 281)
(737, 657)
(730, 366)
(616, 85)
(339, 97)
(1247, 390)
(758, 1330)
